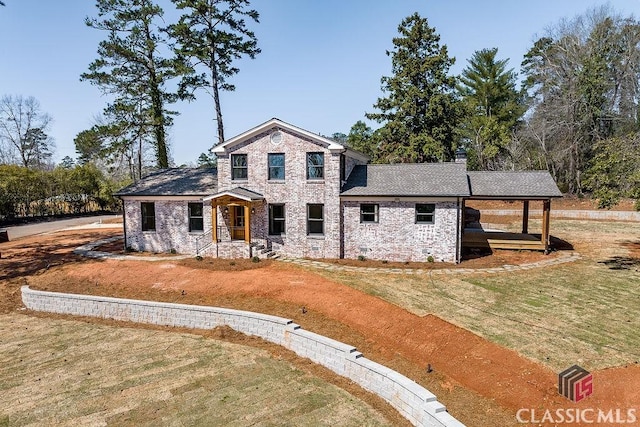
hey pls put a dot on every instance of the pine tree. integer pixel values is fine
(420, 112)
(131, 68)
(212, 34)
(493, 108)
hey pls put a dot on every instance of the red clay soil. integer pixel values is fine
(481, 383)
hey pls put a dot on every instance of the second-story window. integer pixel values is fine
(238, 166)
(276, 166)
(315, 165)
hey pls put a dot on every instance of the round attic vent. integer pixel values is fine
(276, 137)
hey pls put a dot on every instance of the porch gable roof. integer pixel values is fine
(239, 193)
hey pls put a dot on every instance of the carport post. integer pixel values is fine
(525, 217)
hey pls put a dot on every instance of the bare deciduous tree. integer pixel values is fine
(23, 132)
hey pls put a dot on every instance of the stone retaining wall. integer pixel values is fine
(413, 401)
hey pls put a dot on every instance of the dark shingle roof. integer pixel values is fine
(408, 179)
(525, 184)
(174, 182)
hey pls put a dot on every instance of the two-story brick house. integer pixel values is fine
(280, 189)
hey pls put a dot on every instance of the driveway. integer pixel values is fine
(19, 231)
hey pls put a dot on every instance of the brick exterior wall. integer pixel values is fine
(172, 226)
(295, 192)
(414, 402)
(396, 236)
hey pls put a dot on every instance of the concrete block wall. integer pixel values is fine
(413, 401)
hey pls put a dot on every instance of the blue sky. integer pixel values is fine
(319, 69)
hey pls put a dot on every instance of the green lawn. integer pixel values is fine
(586, 312)
(60, 372)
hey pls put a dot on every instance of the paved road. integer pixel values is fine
(47, 227)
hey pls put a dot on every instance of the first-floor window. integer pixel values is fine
(276, 220)
(196, 222)
(368, 212)
(148, 210)
(315, 219)
(425, 213)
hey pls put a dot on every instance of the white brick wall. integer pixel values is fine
(413, 401)
(396, 236)
(295, 192)
(172, 226)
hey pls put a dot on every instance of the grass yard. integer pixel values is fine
(586, 312)
(62, 372)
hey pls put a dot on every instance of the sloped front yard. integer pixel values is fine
(387, 317)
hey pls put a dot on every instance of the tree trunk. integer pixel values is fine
(216, 98)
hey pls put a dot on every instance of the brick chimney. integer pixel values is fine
(461, 155)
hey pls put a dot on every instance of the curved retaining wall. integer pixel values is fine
(413, 401)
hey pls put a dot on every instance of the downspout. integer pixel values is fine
(124, 225)
(458, 229)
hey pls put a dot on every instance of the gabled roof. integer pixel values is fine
(275, 123)
(239, 193)
(174, 182)
(514, 184)
(408, 179)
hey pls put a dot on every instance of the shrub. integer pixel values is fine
(255, 259)
(199, 258)
(430, 259)
(361, 258)
(232, 263)
(173, 251)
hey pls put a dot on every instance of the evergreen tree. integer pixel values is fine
(212, 35)
(420, 111)
(493, 108)
(131, 68)
(361, 139)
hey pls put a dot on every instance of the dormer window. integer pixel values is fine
(239, 167)
(315, 165)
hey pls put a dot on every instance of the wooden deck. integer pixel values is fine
(502, 240)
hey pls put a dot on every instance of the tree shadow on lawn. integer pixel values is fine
(629, 262)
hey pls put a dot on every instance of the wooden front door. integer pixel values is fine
(237, 230)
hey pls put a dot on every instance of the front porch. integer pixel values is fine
(233, 212)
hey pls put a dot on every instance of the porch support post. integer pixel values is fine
(525, 217)
(214, 222)
(247, 223)
(546, 209)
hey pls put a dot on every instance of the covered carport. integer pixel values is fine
(525, 187)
